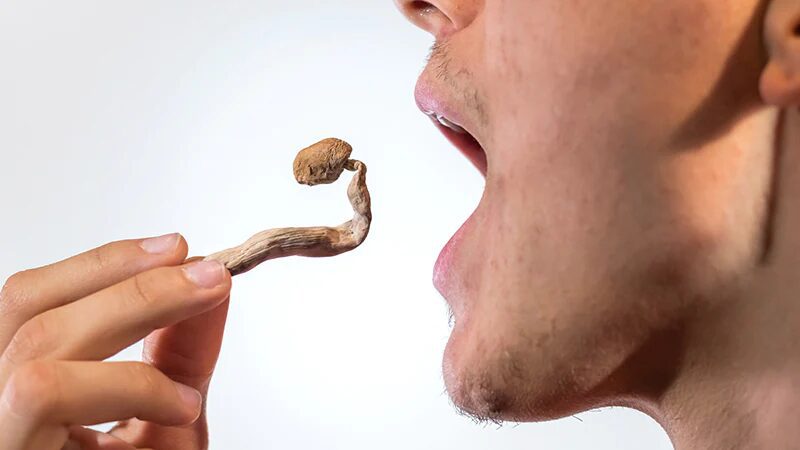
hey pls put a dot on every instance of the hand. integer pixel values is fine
(59, 322)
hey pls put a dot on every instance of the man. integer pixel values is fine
(636, 243)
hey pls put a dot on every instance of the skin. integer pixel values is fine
(61, 321)
(636, 245)
(637, 241)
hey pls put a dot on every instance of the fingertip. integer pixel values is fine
(207, 274)
(227, 284)
(182, 250)
(171, 245)
(161, 245)
(227, 279)
(192, 401)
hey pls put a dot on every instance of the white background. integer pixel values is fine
(127, 119)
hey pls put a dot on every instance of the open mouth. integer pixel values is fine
(462, 139)
(455, 120)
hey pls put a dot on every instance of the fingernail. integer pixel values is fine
(205, 274)
(190, 397)
(161, 245)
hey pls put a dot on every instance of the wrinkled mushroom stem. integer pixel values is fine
(315, 165)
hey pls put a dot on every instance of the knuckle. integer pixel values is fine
(148, 378)
(33, 339)
(15, 291)
(33, 389)
(150, 288)
(144, 289)
(102, 257)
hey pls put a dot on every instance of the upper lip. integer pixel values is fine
(449, 119)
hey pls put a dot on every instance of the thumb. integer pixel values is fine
(187, 353)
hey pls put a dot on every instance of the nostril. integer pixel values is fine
(438, 17)
(422, 8)
(797, 29)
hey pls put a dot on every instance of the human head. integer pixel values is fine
(628, 160)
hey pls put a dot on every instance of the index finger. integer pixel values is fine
(31, 292)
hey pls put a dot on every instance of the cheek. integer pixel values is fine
(577, 152)
(561, 69)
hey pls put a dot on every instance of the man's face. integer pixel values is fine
(626, 156)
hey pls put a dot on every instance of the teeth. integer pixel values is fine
(446, 123)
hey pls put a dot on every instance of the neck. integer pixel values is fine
(738, 388)
(738, 381)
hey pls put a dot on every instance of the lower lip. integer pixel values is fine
(443, 275)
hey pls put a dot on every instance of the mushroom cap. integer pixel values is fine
(323, 162)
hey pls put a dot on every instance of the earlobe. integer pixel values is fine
(780, 81)
(778, 87)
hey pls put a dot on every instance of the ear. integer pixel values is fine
(780, 82)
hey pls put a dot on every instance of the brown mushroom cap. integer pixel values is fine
(323, 162)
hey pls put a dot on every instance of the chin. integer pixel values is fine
(504, 375)
(480, 390)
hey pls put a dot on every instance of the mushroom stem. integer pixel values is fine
(309, 241)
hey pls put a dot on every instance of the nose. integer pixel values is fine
(440, 18)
